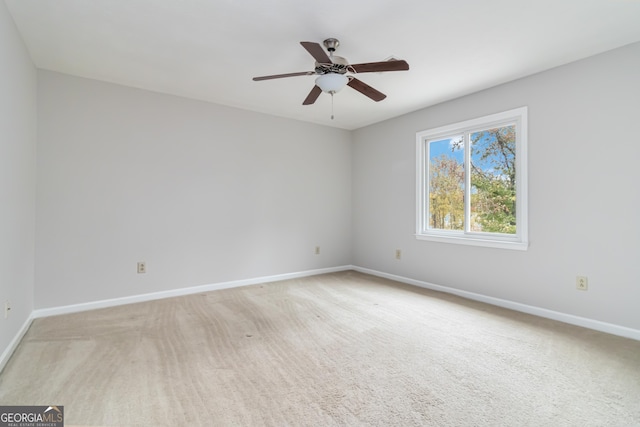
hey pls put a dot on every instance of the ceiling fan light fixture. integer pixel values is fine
(332, 82)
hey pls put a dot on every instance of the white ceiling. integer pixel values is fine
(210, 49)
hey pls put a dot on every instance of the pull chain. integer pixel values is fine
(331, 105)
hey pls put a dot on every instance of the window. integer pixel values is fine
(472, 182)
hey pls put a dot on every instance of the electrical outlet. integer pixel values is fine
(142, 267)
(398, 254)
(7, 308)
(582, 283)
(317, 250)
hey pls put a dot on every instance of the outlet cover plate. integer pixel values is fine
(582, 283)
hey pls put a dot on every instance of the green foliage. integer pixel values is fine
(493, 206)
(493, 178)
(446, 198)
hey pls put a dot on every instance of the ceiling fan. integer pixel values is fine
(332, 72)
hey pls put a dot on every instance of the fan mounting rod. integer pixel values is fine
(331, 44)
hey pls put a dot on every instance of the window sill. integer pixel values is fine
(475, 241)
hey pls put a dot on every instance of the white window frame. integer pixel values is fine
(518, 241)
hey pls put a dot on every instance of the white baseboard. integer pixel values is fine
(75, 308)
(597, 325)
(6, 354)
(537, 311)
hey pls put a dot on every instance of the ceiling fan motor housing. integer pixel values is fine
(340, 66)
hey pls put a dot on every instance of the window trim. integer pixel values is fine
(519, 241)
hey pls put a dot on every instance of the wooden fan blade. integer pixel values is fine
(313, 95)
(279, 76)
(366, 90)
(317, 52)
(377, 67)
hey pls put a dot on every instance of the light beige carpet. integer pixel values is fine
(337, 349)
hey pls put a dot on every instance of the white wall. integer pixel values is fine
(17, 179)
(584, 199)
(202, 193)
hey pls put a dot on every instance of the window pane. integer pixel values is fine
(446, 183)
(493, 180)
